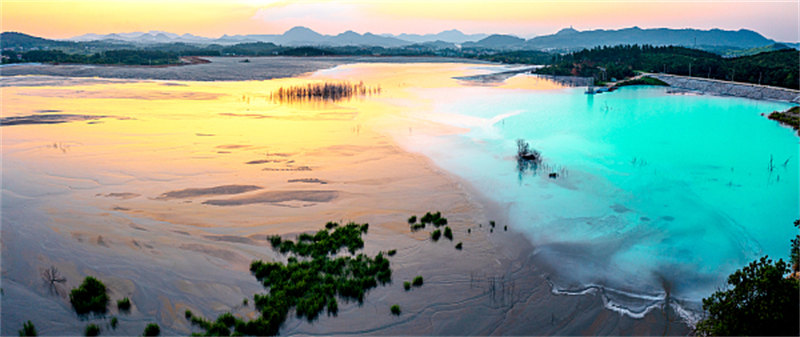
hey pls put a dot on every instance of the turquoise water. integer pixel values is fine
(657, 193)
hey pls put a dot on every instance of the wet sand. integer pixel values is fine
(219, 68)
(169, 205)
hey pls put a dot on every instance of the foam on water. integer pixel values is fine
(657, 194)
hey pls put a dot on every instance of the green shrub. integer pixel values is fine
(90, 296)
(395, 310)
(188, 314)
(436, 234)
(492, 223)
(308, 282)
(417, 282)
(114, 322)
(412, 219)
(469, 230)
(505, 228)
(416, 227)
(448, 233)
(151, 329)
(760, 302)
(391, 252)
(407, 285)
(458, 246)
(28, 329)
(124, 304)
(91, 330)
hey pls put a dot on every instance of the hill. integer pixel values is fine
(496, 41)
(776, 68)
(571, 39)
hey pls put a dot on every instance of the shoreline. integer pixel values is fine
(219, 68)
(728, 88)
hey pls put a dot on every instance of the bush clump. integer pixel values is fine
(28, 329)
(151, 329)
(124, 304)
(114, 321)
(435, 219)
(448, 233)
(391, 252)
(91, 330)
(412, 220)
(436, 234)
(417, 282)
(759, 302)
(459, 246)
(90, 296)
(309, 281)
(395, 310)
(407, 285)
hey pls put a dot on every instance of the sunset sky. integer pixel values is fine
(61, 19)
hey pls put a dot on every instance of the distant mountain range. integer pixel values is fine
(565, 40)
(573, 39)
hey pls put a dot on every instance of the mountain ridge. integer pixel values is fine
(564, 40)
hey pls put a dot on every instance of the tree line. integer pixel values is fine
(776, 68)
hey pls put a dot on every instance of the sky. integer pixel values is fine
(779, 20)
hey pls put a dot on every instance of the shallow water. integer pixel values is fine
(657, 193)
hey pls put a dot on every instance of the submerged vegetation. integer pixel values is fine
(327, 91)
(90, 296)
(309, 282)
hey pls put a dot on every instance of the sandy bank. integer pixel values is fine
(219, 68)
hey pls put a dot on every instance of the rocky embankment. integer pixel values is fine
(725, 88)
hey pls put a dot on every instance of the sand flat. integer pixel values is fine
(56, 206)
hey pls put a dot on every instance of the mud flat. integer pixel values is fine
(218, 69)
(170, 204)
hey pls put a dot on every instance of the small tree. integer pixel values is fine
(28, 329)
(91, 330)
(90, 296)
(152, 329)
(760, 302)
